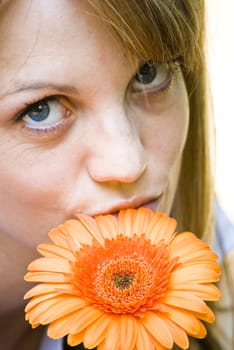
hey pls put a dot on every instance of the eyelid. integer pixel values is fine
(48, 132)
(67, 104)
(61, 99)
(147, 89)
(173, 65)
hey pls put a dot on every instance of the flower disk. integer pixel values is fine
(124, 276)
(123, 283)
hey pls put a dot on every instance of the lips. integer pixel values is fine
(150, 203)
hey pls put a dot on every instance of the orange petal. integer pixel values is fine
(59, 237)
(128, 332)
(107, 225)
(202, 331)
(144, 339)
(39, 299)
(184, 300)
(142, 220)
(201, 265)
(35, 325)
(162, 227)
(54, 308)
(157, 327)
(50, 250)
(189, 248)
(51, 277)
(95, 333)
(50, 265)
(84, 318)
(90, 224)
(186, 320)
(75, 339)
(78, 233)
(125, 221)
(205, 291)
(61, 327)
(208, 316)
(179, 335)
(101, 346)
(44, 288)
(193, 274)
(112, 340)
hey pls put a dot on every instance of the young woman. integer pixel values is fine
(103, 106)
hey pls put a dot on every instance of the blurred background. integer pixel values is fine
(220, 20)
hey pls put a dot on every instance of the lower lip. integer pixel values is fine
(152, 205)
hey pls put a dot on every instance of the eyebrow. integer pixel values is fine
(20, 87)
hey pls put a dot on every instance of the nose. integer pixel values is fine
(117, 152)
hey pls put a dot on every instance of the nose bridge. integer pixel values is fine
(118, 153)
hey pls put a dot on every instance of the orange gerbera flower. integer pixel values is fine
(123, 283)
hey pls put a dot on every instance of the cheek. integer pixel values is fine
(166, 132)
(34, 191)
(172, 139)
(35, 179)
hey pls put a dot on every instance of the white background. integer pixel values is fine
(220, 19)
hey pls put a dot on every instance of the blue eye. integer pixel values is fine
(39, 111)
(146, 73)
(45, 113)
(152, 77)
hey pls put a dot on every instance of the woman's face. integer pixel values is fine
(81, 128)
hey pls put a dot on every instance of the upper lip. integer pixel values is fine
(134, 203)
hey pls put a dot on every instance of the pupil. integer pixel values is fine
(147, 73)
(123, 280)
(39, 111)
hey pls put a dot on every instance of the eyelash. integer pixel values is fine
(60, 126)
(172, 67)
(44, 131)
(52, 130)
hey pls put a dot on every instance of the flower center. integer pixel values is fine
(123, 280)
(125, 276)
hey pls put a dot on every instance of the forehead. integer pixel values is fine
(51, 38)
(45, 25)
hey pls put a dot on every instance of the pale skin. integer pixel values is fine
(103, 141)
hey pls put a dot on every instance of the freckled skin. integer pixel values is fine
(115, 145)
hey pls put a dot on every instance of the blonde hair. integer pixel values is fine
(166, 30)
(173, 30)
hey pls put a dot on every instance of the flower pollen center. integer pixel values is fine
(128, 275)
(123, 280)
